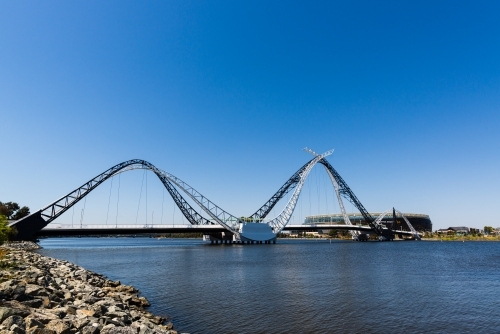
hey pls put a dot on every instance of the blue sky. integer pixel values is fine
(225, 94)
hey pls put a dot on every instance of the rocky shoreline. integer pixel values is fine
(42, 295)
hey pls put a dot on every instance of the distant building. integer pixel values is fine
(459, 230)
(420, 222)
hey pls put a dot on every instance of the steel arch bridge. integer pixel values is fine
(252, 228)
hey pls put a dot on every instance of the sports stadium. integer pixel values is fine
(421, 222)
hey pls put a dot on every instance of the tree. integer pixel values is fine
(21, 213)
(488, 229)
(11, 210)
(6, 232)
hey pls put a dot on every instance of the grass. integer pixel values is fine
(4, 263)
(464, 237)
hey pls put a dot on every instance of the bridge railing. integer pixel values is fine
(126, 226)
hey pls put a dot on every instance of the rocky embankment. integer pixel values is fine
(42, 295)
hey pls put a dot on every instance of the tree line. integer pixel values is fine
(10, 211)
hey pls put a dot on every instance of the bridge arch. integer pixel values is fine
(28, 226)
(31, 224)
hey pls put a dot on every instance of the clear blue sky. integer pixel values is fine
(225, 94)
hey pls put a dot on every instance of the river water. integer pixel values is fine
(303, 286)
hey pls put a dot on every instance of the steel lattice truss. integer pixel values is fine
(57, 208)
(289, 185)
(278, 223)
(343, 189)
(217, 214)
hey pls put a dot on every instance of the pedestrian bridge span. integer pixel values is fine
(256, 227)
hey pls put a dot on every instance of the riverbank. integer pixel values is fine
(40, 294)
(462, 238)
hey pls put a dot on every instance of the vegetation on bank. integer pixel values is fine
(12, 210)
(6, 232)
(4, 262)
(459, 237)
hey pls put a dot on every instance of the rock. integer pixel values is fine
(99, 309)
(33, 323)
(58, 326)
(57, 297)
(36, 303)
(33, 290)
(122, 330)
(45, 301)
(88, 313)
(58, 312)
(6, 312)
(145, 330)
(14, 320)
(107, 328)
(139, 301)
(40, 331)
(71, 310)
(90, 330)
(44, 316)
(80, 322)
(16, 329)
(135, 315)
(156, 320)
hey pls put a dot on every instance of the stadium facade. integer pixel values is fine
(420, 222)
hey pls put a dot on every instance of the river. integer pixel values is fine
(303, 286)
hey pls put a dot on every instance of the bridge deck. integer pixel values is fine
(68, 230)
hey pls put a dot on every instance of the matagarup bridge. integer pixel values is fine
(221, 225)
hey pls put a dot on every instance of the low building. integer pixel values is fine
(421, 222)
(460, 230)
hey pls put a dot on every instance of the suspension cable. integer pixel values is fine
(162, 201)
(309, 191)
(109, 200)
(140, 196)
(83, 212)
(317, 190)
(118, 200)
(326, 191)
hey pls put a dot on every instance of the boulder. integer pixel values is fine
(36, 303)
(107, 328)
(122, 330)
(14, 320)
(32, 289)
(90, 330)
(79, 323)
(88, 313)
(58, 326)
(40, 331)
(6, 312)
(71, 310)
(15, 329)
(32, 323)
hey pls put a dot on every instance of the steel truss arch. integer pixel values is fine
(31, 224)
(289, 185)
(277, 224)
(343, 190)
(410, 226)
